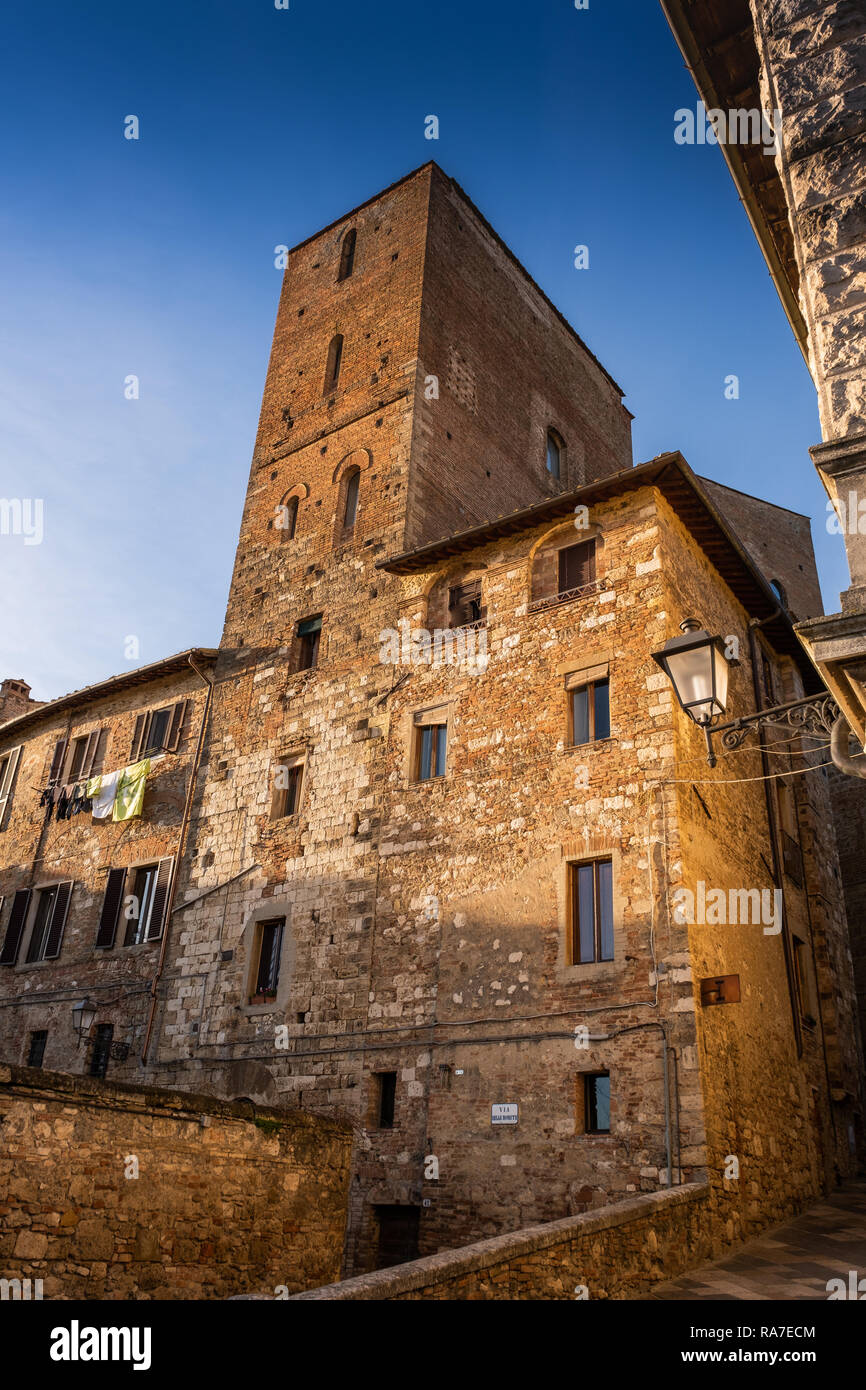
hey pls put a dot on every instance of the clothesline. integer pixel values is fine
(118, 796)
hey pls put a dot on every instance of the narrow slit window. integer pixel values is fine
(554, 454)
(596, 1091)
(287, 519)
(350, 510)
(386, 1083)
(347, 254)
(335, 360)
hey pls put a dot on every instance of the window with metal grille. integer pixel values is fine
(36, 1050)
(591, 906)
(270, 942)
(596, 1096)
(101, 1049)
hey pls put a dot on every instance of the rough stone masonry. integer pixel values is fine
(430, 887)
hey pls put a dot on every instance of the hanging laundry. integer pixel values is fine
(64, 801)
(102, 791)
(130, 790)
(80, 800)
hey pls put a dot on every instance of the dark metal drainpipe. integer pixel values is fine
(175, 872)
(773, 821)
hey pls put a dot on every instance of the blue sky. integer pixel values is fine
(258, 126)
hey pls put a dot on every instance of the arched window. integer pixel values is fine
(555, 450)
(287, 519)
(779, 590)
(335, 357)
(350, 511)
(347, 254)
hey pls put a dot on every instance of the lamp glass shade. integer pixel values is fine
(698, 670)
(83, 1015)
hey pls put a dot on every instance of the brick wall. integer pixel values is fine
(225, 1198)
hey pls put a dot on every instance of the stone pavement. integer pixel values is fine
(793, 1261)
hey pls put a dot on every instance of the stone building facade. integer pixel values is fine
(446, 803)
(85, 900)
(803, 62)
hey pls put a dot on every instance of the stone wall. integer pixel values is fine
(813, 58)
(226, 1198)
(616, 1253)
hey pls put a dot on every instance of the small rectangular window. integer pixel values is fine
(288, 779)
(37, 1047)
(432, 746)
(309, 634)
(464, 604)
(596, 1093)
(386, 1094)
(576, 566)
(590, 712)
(591, 907)
(268, 967)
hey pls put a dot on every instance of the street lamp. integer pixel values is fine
(697, 668)
(83, 1015)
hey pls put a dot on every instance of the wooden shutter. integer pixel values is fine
(142, 722)
(175, 724)
(89, 753)
(160, 895)
(15, 929)
(99, 753)
(57, 760)
(576, 566)
(7, 783)
(58, 920)
(111, 908)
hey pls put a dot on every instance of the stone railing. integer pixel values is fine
(616, 1252)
